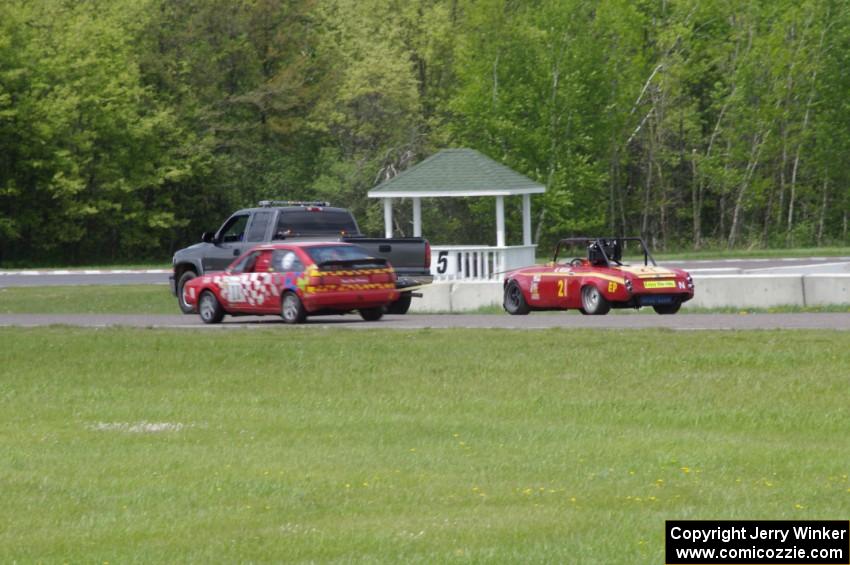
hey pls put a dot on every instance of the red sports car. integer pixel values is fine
(295, 280)
(599, 281)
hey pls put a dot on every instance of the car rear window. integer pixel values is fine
(329, 254)
(314, 222)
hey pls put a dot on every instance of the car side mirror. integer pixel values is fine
(208, 237)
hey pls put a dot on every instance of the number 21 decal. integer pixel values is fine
(612, 287)
(562, 287)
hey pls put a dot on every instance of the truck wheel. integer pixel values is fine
(291, 309)
(514, 302)
(667, 308)
(592, 301)
(400, 306)
(184, 278)
(371, 314)
(209, 309)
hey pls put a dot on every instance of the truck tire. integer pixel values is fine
(400, 306)
(184, 278)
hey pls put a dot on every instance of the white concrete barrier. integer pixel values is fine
(712, 291)
(746, 291)
(475, 295)
(436, 297)
(821, 290)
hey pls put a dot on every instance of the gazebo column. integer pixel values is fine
(526, 219)
(500, 221)
(388, 217)
(417, 217)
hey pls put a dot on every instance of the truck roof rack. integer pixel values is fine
(268, 203)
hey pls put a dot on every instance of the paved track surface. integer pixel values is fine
(832, 321)
(87, 277)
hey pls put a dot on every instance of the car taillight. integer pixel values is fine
(427, 255)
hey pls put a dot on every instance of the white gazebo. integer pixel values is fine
(457, 173)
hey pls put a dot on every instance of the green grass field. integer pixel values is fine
(85, 299)
(426, 446)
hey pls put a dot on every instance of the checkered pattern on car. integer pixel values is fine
(250, 288)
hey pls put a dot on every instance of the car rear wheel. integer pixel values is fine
(400, 306)
(664, 309)
(292, 310)
(181, 282)
(371, 314)
(514, 302)
(209, 309)
(592, 301)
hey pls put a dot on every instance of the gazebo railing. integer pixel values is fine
(478, 262)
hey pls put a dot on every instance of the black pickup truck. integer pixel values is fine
(299, 221)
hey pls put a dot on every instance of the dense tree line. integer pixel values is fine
(127, 127)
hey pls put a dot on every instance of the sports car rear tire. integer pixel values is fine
(209, 309)
(372, 314)
(292, 310)
(514, 302)
(592, 301)
(181, 282)
(665, 309)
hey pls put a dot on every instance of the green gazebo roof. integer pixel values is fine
(456, 172)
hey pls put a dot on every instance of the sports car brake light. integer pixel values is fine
(690, 281)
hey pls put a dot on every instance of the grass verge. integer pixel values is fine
(424, 446)
(85, 299)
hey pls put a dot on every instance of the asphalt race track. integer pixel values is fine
(540, 321)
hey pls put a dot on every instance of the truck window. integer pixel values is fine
(314, 222)
(234, 229)
(259, 223)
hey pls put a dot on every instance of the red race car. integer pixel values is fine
(601, 280)
(294, 280)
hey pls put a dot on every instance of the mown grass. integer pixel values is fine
(88, 299)
(425, 446)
